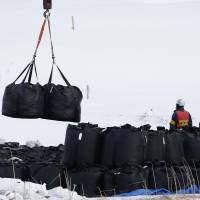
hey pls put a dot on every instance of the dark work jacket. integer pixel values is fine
(180, 119)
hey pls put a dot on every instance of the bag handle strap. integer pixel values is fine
(36, 74)
(27, 73)
(62, 75)
(53, 56)
(33, 66)
(22, 72)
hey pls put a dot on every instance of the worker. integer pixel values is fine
(181, 118)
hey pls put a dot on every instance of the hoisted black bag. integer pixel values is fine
(24, 100)
(62, 103)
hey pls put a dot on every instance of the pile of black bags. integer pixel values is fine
(126, 158)
(38, 164)
(107, 162)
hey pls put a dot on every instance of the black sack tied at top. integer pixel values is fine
(192, 145)
(174, 147)
(82, 145)
(130, 178)
(85, 181)
(156, 146)
(24, 100)
(129, 148)
(62, 103)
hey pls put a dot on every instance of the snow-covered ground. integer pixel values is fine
(15, 189)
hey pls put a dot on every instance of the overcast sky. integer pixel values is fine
(137, 56)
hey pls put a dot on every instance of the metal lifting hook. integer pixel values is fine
(46, 14)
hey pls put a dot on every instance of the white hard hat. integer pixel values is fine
(180, 102)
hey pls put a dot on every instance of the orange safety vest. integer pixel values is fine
(183, 119)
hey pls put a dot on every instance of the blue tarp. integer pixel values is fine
(191, 190)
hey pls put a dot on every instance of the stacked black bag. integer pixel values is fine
(85, 181)
(192, 144)
(156, 146)
(123, 145)
(82, 145)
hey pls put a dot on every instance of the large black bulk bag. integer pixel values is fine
(109, 186)
(195, 175)
(82, 145)
(192, 145)
(24, 100)
(48, 173)
(109, 140)
(131, 178)
(10, 101)
(89, 146)
(70, 147)
(182, 177)
(156, 146)
(129, 148)
(11, 170)
(85, 181)
(174, 147)
(62, 102)
(160, 177)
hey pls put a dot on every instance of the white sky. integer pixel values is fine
(135, 56)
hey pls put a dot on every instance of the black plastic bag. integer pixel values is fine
(156, 146)
(24, 100)
(129, 148)
(62, 103)
(182, 177)
(130, 178)
(89, 144)
(160, 177)
(192, 145)
(85, 181)
(109, 140)
(82, 145)
(174, 147)
(48, 173)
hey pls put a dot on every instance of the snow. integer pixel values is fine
(15, 189)
(32, 143)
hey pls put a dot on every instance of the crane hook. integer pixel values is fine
(47, 4)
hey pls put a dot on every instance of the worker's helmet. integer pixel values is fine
(180, 102)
